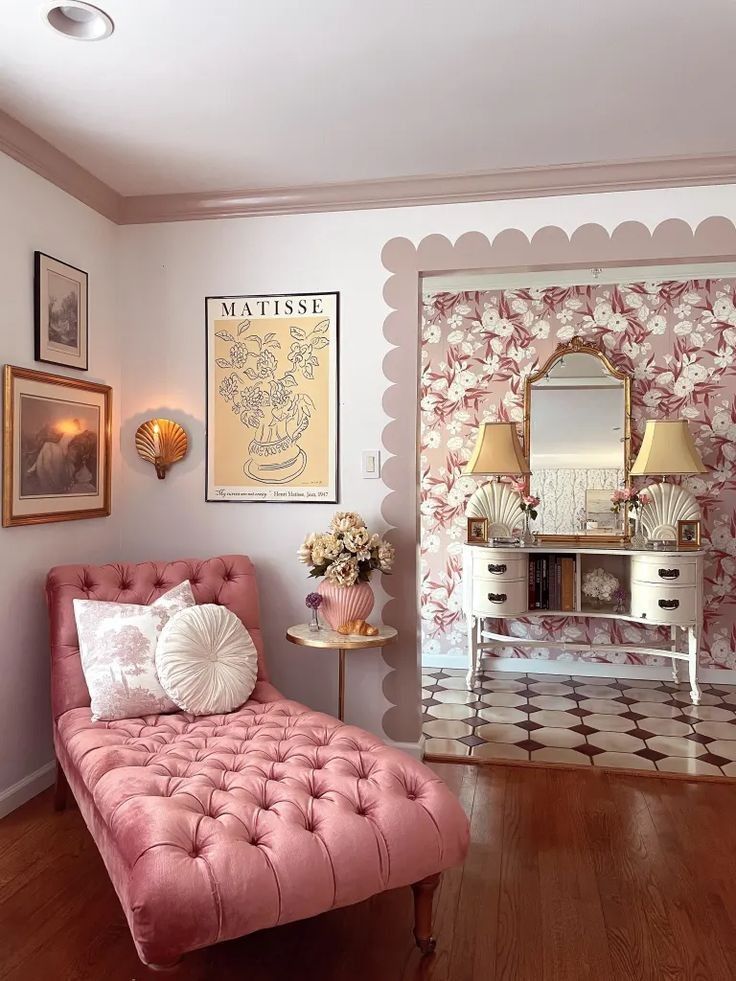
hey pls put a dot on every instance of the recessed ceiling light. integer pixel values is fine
(79, 20)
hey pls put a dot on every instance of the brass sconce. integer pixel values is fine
(161, 442)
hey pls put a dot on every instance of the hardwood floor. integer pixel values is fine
(571, 875)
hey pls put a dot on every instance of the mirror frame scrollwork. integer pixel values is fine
(578, 346)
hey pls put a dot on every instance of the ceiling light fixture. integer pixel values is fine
(80, 21)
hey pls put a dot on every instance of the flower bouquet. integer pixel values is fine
(600, 586)
(346, 556)
(627, 499)
(528, 504)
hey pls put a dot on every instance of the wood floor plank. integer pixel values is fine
(572, 875)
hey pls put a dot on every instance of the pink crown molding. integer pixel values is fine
(31, 150)
(630, 243)
(25, 146)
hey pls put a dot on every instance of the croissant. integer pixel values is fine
(358, 627)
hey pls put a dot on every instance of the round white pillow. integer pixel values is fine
(206, 660)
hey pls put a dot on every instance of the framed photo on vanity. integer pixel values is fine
(688, 534)
(57, 435)
(272, 397)
(477, 531)
(60, 309)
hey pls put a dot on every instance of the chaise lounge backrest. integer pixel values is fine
(228, 580)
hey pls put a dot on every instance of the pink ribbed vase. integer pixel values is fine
(343, 603)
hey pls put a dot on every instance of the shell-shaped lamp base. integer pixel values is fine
(500, 504)
(669, 503)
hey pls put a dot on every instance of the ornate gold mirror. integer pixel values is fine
(577, 429)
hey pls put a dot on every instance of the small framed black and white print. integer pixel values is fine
(60, 301)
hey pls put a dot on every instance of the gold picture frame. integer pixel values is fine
(688, 533)
(57, 440)
(477, 531)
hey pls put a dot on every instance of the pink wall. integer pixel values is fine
(677, 341)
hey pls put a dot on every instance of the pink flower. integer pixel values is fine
(530, 500)
(644, 499)
(618, 496)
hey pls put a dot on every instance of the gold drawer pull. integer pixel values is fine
(498, 569)
(669, 573)
(497, 597)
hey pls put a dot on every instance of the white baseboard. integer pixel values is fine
(583, 668)
(18, 793)
(413, 749)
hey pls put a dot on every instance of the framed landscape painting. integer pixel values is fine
(272, 397)
(56, 448)
(60, 306)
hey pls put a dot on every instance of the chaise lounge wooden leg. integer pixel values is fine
(423, 895)
(61, 789)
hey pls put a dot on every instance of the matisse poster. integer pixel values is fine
(272, 397)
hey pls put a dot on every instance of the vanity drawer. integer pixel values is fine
(496, 598)
(662, 604)
(500, 566)
(664, 570)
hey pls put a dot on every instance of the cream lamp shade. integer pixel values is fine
(667, 448)
(497, 451)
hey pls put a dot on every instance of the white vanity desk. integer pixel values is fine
(665, 589)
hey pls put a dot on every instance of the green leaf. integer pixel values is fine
(297, 333)
(222, 363)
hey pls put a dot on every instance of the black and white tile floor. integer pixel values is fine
(603, 722)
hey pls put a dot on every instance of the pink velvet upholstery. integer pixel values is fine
(214, 827)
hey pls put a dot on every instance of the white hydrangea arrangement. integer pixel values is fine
(600, 585)
(348, 552)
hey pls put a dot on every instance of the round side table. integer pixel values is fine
(327, 639)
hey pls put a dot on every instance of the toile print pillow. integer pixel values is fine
(117, 644)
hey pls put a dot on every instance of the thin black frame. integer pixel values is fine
(37, 311)
(253, 296)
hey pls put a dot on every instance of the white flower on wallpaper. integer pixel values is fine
(676, 339)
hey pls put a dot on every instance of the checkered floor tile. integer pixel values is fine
(604, 722)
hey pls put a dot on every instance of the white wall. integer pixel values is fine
(167, 270)
(36, 215)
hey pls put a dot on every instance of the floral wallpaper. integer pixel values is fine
(676, 339)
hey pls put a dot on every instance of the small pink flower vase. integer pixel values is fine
(343, 603)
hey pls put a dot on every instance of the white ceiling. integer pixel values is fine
(192, 95)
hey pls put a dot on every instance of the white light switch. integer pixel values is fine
(371, 463)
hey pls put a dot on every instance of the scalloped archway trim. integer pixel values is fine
(630, 243)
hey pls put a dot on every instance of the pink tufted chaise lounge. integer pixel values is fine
(213, 827)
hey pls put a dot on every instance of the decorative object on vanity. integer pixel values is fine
(56, 448)
(688, 534)
(302, 636)
(626, 499)
(346, 555)
(60, 312)
(272, 397)
(600, 587)
(577, 422)
(497, 453)
(161, 442)
(313, 601)
(668, 449)
(357, 628)
(477, 531)
(528, 504)
(666, 590)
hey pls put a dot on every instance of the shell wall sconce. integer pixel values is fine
(161, 442)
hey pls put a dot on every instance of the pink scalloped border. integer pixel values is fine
(630, 243)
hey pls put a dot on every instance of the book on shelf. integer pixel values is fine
(552, 582)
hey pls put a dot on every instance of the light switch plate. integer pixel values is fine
(370, 463)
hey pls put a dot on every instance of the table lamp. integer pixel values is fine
(497, 452)
(667, 449)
